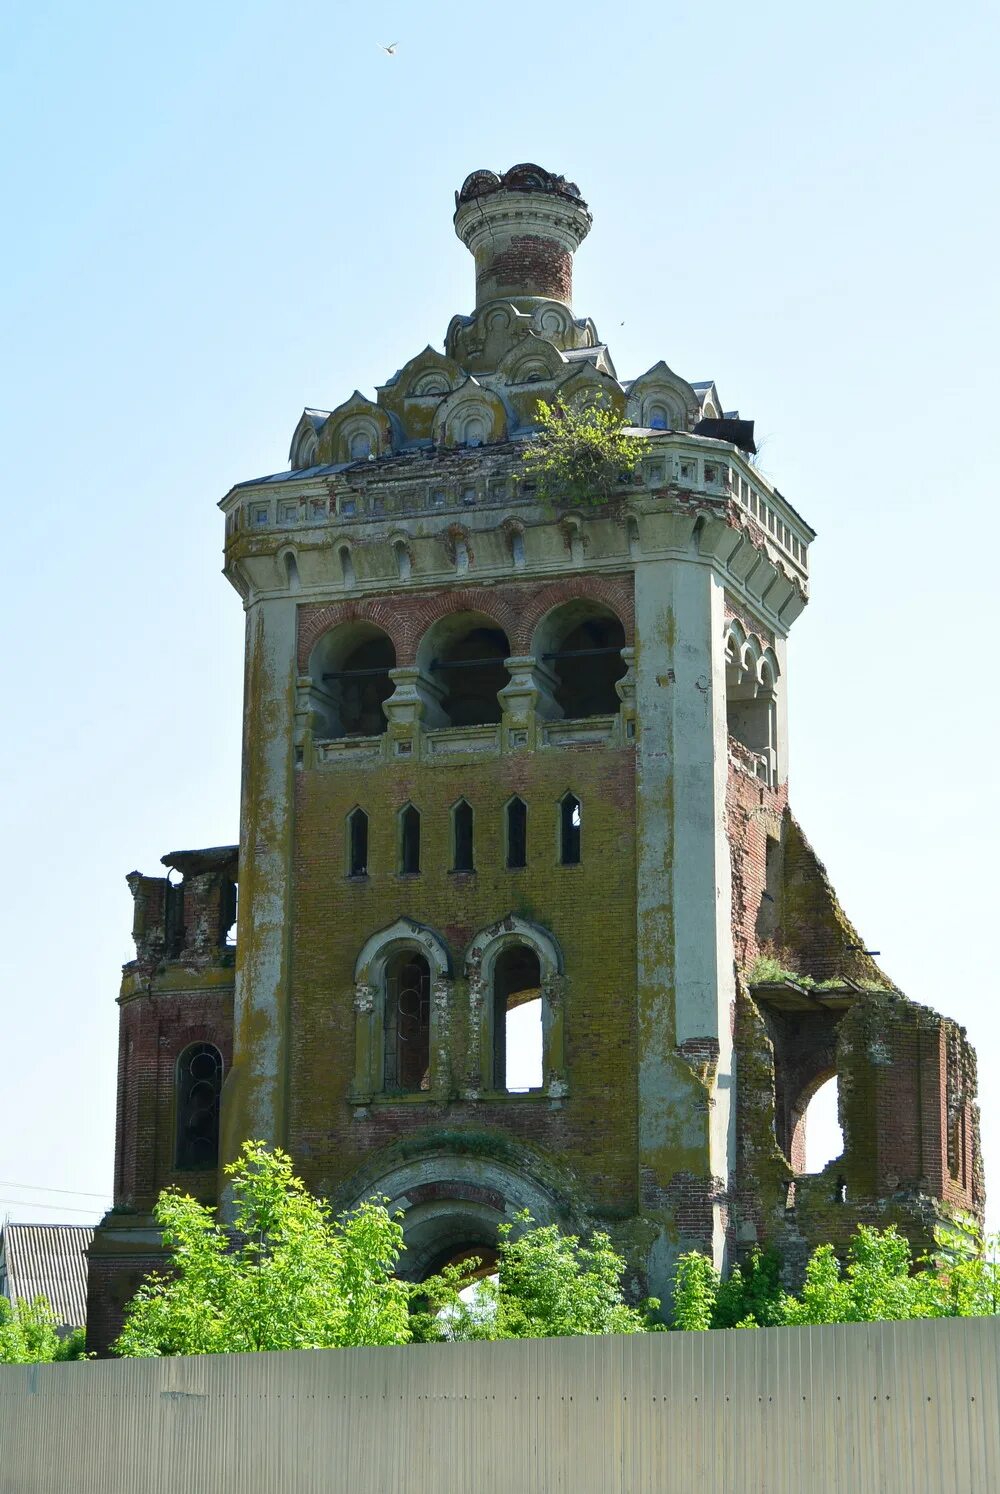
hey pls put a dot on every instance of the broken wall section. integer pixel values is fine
(813, 1004)
(174, 1049)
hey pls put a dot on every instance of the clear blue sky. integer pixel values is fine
(218, 214)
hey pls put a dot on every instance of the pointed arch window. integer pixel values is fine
(409, 841)
(570, 830)
(357, 843)
(199, 1087)
(462, 837)
(516, 836)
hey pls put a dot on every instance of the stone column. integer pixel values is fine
(686, 986)
(254, 1098)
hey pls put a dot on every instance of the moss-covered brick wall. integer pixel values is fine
(589, 909)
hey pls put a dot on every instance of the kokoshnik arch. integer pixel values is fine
(505, 762)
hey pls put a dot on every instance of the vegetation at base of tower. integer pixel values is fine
(877, 1282)
(580, 455)
(293, 1277)
(28, 1335)
(547, 1285)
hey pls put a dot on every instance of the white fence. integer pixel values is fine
(907, 1408)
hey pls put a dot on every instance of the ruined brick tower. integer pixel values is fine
(524, 919)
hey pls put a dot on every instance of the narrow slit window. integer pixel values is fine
(462, 837)
(570, 827)
(517, 834)
(357, 839)
(409, 851)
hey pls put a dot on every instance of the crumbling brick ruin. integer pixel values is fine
(515, 852)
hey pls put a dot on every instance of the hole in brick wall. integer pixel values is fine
(468, 667)
(818, 1137)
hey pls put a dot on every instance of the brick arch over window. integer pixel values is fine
(614, 591)
(313, 622)
(429, 610)
(517, 609)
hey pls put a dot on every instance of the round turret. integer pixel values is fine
(522, 229)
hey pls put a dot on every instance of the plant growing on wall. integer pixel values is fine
(581, 454)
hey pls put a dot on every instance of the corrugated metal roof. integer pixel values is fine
(49, 1260)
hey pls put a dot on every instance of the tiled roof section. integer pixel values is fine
(49, 1260)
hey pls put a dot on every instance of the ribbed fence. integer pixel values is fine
(890, 1408)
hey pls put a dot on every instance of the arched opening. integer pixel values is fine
(751, 703)
(462, 823)
(357, 843)
(570, 830)
(349, 669)
(199, 1087)
(817, 1135)
(464, 656)
(582, 643)
(407, 1023)
(516, 827)
(517, 1020)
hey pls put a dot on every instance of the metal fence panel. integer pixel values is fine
(889, 1408)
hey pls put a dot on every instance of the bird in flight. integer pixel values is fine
(390, 50)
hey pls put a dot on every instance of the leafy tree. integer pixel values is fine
(294, 1277)
(28, 1334)
(581, 455)
(876, 1283)
(548, 1285)
(751, 1295)
(696, 1291)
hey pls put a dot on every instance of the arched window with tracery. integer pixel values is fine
(198, 1088)
(407, 1024)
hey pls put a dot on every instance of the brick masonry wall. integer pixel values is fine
(154, 1029)
(516, 609)
(590, 909)
(528, 265)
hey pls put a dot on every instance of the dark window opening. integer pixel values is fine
(470, 672)
(407, 1024)
(588, 663)
(409, 850)
(462, 833)
(199, 1085)
(517, 834)
(517, 1020)
(361, 685)
(570, 827)
(173, 919)
(228, 903)
(357, 830)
